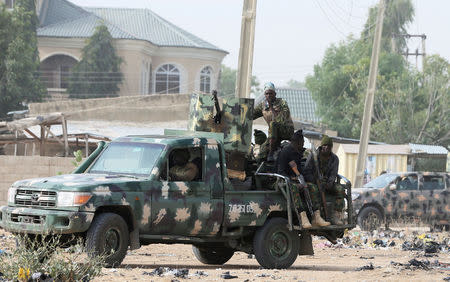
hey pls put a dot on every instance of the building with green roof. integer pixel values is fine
(158, 57)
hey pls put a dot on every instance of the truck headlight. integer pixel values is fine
(12, 195)
(71, 199)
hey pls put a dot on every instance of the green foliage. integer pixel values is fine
(78, 158)
(409, 106)
(19, 58)
(45, 255)
(98, 73)
(292, 83)
(228, 82)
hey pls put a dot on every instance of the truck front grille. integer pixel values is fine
(32, 219)
(35, 198)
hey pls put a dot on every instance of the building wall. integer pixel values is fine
(164, 107)
(137, 55)
(21, 167)
(390, 163)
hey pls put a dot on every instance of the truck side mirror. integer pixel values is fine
(392, 186)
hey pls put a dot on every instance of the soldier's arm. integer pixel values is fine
(308, 171)
(284, 113)
(333, 172)
(257, 111)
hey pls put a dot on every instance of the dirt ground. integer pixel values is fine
(350, 259)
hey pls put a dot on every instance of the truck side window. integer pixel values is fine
(433, 182)
(185, 164)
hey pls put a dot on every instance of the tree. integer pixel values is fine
(227, 83)
(292, 83)
(98, 73)
(19, 64)
(339, 83)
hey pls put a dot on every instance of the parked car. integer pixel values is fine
(410, 196)
(382, 180)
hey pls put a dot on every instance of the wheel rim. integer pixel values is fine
(280, 245)
(372, 220)
(112, 241)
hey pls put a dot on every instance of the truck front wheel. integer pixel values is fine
(275, 246)
(108, 236)
(212, 255)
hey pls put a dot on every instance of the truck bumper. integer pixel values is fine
(41, 221)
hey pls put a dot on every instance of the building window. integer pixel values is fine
(56, 71)
(167, 79)
(205, 79)
(9, 4)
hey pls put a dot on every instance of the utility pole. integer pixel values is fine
(244, 71)
(417, 53)
(368, 107)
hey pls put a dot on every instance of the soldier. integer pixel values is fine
(322, 166)
(182, 169)
(289, 164)
(277, 115)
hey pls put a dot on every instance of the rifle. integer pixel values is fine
(306, 195)
(319, 184)
(218, 116)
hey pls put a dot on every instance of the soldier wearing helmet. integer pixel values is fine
(277, 115)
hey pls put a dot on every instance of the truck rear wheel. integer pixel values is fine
(212, 255)
(275, 246)
(108, 236)
(370, 218)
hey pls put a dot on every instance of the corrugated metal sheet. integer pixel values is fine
(64, 19)
(301, 104)
(427, 149)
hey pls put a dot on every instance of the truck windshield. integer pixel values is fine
(128, 158)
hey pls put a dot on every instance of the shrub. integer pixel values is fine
(45, 256)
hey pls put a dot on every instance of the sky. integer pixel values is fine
(291, 36)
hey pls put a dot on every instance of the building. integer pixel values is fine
(158, 57)
(391, 158)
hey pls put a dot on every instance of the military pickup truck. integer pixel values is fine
(123, 197)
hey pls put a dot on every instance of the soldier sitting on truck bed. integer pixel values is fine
(277, 115)
(322, 167)
(289, 164)
(181, 169)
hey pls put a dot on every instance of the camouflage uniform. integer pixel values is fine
(187, 172)
(313, 194)
(296, 190)
(328, 168)
(281, 126)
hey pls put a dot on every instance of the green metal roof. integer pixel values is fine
(60, 18)
(301, 104)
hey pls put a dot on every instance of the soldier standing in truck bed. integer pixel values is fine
(277, 115)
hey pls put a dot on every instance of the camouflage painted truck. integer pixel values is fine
(123, 196)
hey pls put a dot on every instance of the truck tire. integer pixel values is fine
(369, 218)
(108, 236)
(212, 255)
(274, 245)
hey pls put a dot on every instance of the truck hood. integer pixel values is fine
(75, 181)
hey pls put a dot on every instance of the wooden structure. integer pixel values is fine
(47, 137)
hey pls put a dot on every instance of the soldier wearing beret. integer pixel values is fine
(277, 115)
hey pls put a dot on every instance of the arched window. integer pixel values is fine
(205, 79)
(56, 71)
(167, 79)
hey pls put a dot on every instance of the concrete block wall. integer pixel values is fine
(13, 168)
(143, 108)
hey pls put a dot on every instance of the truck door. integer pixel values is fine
(184, 206)
(433, 198)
